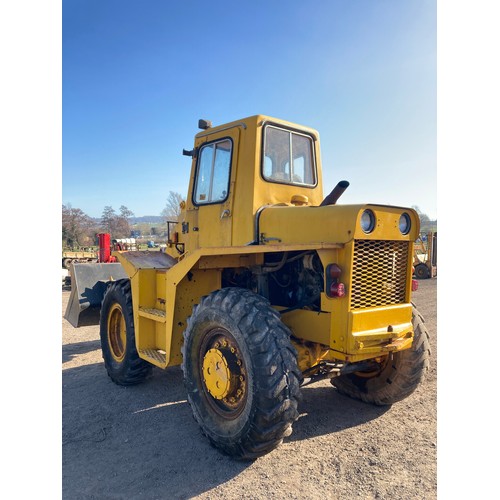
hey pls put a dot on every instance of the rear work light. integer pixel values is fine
(334, 287)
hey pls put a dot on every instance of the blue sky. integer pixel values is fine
(136, 76)
(135, 83)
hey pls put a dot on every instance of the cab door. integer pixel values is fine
(212, 196)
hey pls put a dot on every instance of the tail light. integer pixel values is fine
(336, 290)
(334, 287)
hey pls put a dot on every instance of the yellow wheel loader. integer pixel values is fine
(266, 286)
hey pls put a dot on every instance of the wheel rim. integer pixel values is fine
(117, 332)
(223, 373)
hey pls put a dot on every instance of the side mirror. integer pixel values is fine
(191, 153)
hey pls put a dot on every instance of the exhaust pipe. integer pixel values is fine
(336, 193)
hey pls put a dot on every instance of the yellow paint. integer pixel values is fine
(232, 223)
(117, 333)
(254, 217)
(216, 374)
(309, 354)
(335, 223)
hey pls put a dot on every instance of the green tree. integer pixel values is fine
(108, 220)
(125, 212)
(118, 225)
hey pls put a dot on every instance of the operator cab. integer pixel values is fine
(239, 168)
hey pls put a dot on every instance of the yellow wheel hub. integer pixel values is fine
(117, 332)
(216, 374)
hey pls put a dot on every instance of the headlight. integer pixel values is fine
(367, 221)
(404, 223)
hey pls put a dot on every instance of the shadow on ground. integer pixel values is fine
(69, 351)
(121, 441)
(323, 410)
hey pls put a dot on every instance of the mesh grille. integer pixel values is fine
(379, 273)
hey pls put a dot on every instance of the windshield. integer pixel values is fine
(288, 157)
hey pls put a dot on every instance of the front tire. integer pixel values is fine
(400, 374)
(240, 372)
(122, 362)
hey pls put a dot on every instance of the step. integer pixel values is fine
(152, 313)
(155, 356)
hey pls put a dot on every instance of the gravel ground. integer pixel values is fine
(142, 442)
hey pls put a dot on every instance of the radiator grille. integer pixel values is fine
(379, 273)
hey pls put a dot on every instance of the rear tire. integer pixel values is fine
(122, 362)
(398, 377)
(422, 272)
(240, 372)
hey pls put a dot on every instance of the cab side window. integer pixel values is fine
(213, 172)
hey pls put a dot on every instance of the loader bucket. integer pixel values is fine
(88, 285)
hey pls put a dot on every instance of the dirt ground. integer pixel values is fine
(142, 442)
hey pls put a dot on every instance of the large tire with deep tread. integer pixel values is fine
(122, 362)
(399, 376)
(264, 359)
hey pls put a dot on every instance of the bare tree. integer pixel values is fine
(123, 223)
(77, 227)
(424, 218)
(172, 209)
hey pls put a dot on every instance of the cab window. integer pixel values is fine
(288, 157)
(213, 170)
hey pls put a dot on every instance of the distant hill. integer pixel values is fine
(145, 219)
(428, 226)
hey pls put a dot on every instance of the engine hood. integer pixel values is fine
(332, 224)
